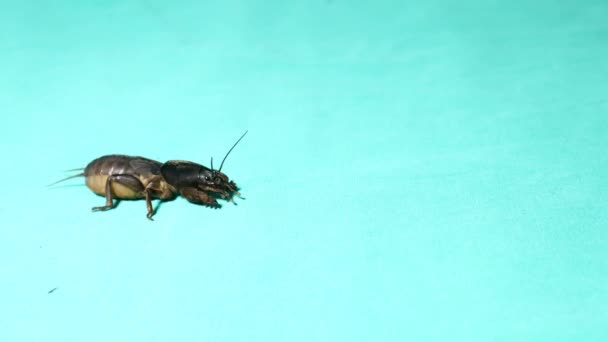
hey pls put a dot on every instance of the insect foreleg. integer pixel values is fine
(199, 197)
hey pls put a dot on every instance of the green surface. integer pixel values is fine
(414, 171)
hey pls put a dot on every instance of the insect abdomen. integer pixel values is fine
(97, 172)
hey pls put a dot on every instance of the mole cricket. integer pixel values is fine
(119, 176)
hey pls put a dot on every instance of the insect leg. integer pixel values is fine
(155, 189)
(128, 181)
(149, 205)
(199, 197)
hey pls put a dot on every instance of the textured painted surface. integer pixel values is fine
(413, 171)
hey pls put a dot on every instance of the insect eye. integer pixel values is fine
(207, 178)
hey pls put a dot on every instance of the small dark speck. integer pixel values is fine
(52, 290)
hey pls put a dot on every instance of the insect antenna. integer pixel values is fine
(211, 163)
(233, 146)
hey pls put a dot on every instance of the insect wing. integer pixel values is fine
(145, 166)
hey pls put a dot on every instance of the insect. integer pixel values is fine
(131, 177)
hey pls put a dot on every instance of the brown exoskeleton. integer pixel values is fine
(128, 177)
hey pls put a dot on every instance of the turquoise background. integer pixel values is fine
(414, 171)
